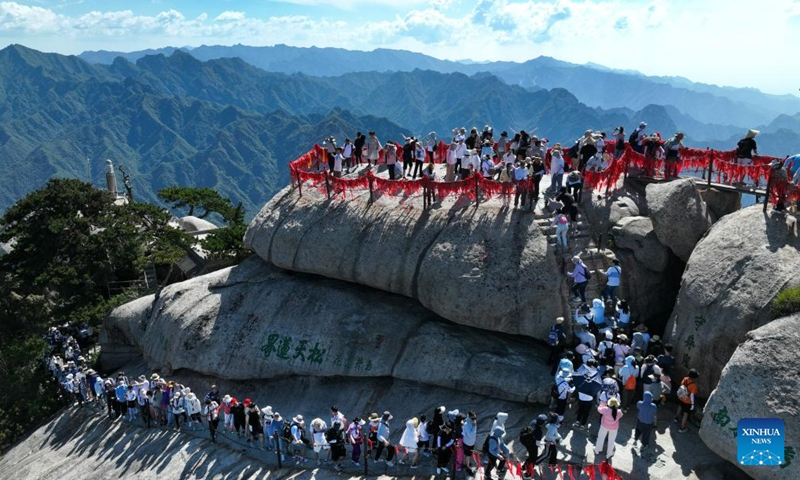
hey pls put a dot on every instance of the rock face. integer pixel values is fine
(650, 272)
(733, 275)
(255, 321)
(483, 267)
(756, 383)
(720, 203)
(637, 235)
(603, 213)
(680, 216)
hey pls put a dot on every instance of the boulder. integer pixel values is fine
(255, 321)
(651, 294)
(720, 202)
(486, 267)
(637, 235)
(194, 224)
(680, 217)
(603, 213)
(756, 383)
(733, 275)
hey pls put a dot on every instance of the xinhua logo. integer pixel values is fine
(760, 441)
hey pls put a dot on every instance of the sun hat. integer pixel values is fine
(373, 417)
(560, 320)
(298, 419)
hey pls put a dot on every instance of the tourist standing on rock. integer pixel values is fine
(358, 147)
(666, 361)
(645, 420)
(561, 222)
(297, 437)
(568, 204)
(211, 412)
(575, 185)
(628, 376)
(536, 173)
(621, 351)
(531, 437)
(469, 435)
(419, 159)
(239, 417)
(586, 393)
(356, 438)
(619, 141)
(253, 427)
(637, 138)
(610, 415)
(606, 351)
(746, 147)
(347, 153)
(556, 338)
(778, 177)
(686, 399)
(330, 147)
(624, 316)
(613, 276)
(520, 180)
(565, 390)
(193, 410)
(335, 438)
(178, 410)
(556, 168)
(650, 375)
(390, 156)
(320, 445)
(451, 162)
(587, 148)
(408, 156)
(383, 440)
(580, 276)
(338, 160)
(409, 441)
(672, 160)
(429, 192)
(551, 440)
(131, 403)
(498, 454)
(373, 149)
(213, 394)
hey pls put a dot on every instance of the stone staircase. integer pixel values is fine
(580, 242)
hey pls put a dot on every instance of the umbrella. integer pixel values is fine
(587, 385)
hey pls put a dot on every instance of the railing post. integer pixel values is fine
(277, 448)
(327, 184)
(766, 197)
(477, 191)
(365, 453)
(370, 179)
(710, 165)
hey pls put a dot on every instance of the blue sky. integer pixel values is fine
(725, 42)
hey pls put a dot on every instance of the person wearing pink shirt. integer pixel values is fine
(610, 415)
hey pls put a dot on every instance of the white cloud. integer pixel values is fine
(703, 41)
(228, 16)
(36, 20)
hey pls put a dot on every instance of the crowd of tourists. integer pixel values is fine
(525, 159)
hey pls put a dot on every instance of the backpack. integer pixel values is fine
(552, 336)
(608, 353)
(573, 151)
(527, 437)
(683, 392)
(587, 273)
(632, 139)
(650, 370)
(287, 430)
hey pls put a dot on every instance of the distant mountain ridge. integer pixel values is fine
(592, 84)
(63, 117)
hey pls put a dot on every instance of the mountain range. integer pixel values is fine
(593, 84)
(224, 123)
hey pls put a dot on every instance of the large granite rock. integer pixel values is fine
(637, 235)
(650, 272)
(759, 381)
(720, 202)
(733, 275)
(603, 213)
(255, 321)
(680, 216)
(485, 267)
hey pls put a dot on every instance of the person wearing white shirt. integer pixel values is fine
(613, 274)
(556, 168)
(347, 151)
(338, 159)
(461, 153)
(451, 162)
